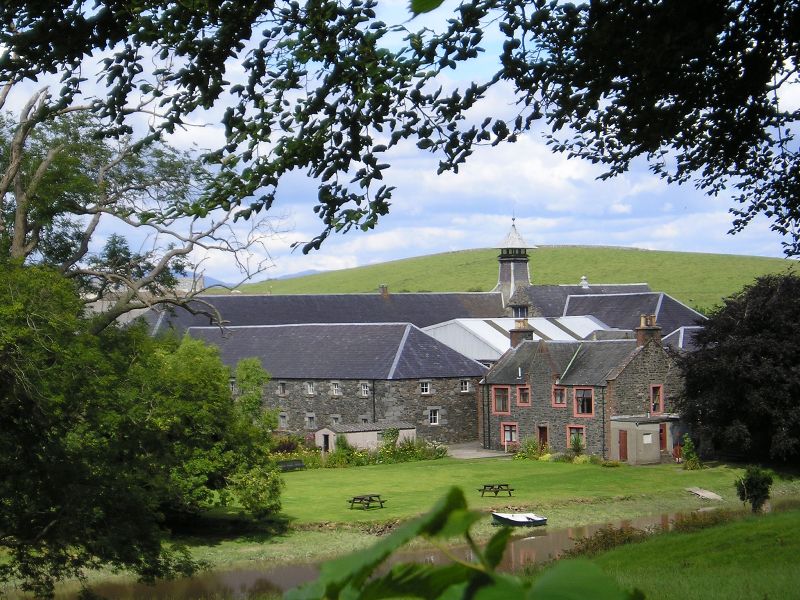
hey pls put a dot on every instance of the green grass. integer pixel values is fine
(753, 558)
(323, 525)
(699, 280)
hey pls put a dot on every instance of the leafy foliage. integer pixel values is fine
(690, 459)
(695, 89)
(357, 577)
(531, 449)
(606, 538)
(106, 437)
(742, 382)
(753, 487)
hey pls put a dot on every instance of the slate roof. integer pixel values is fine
(623, 311)
(594, 362)
(421, 309)
(577, 363)
(360, 427)
(341, 351)
(682, 338)
(514, 240)
(549, 300)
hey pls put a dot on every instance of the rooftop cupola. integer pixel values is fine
(513, 261)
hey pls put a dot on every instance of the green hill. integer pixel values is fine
(699, 280)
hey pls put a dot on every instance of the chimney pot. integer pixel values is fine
(648, 330)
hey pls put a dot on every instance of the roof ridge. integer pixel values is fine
(400, 348)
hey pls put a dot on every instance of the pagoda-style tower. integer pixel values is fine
(513, 261)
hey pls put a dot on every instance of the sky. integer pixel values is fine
(555, 201)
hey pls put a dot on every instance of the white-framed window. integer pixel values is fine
(519, 312)
(311, 420)
(281, 388)
(433, 416)
(364, 389)
(465, 387)
(232, 384)
(424, 387)
(336, 389)
(283, 421)
(335, 419)
(310, 388)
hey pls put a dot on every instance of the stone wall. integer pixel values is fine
(542, 413)
(652, 365)
(392, 400)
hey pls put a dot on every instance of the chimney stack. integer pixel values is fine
(648, 330)
(522, 331)
(384, 290)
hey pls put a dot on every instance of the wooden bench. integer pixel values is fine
(495, 488)
(291, 465)
(366, 500)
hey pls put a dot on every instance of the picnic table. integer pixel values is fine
(366, 500)
(495, 488)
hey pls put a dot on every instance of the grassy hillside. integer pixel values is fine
(699, 280)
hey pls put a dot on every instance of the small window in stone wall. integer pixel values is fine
(364, 389)
(433, 416)
(311, 421)
(281, 388)
(336, 389)
(283, 421)
(364, 420)
(465, 387)
(335, 419)
(424, 387)
(309, 388)
(559, 397)
(656, 399)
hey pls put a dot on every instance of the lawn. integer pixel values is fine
(319, 496)
(753, 558)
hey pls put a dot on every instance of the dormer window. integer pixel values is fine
(519, 312)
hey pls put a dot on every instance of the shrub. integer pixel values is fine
(561, 457)
(390, 437)
(530, 449)
(753, 487)
(576, 445)
(595, 460)
(698, 520)
(691, 460)
(581, 459)
(605, 539)
(546, 457)
(610, 463)
(286, 443)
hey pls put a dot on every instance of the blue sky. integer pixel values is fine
(555, 200)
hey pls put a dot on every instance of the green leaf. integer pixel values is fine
(423, 6)
(576, 580)
(496, 547)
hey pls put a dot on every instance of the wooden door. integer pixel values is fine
(662, 436)
(542, 435)
(623, 445)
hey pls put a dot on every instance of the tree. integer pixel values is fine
(753, 487)
(59, 179)
(695, 89)
(107, 437)
(742, 383)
